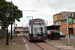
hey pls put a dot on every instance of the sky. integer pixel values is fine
(44, 9)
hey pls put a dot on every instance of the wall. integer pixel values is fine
(71, 26)
(64, 27)
(54, 18)
(59, 16)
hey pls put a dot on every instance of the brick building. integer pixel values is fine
(61, 19)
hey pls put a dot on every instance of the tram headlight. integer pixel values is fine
(43, 35)
(34, 35)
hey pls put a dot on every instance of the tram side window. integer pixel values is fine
(41, 29)
(29, 29)
(74, 21)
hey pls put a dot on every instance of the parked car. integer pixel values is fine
(21, 32)
(62, 34)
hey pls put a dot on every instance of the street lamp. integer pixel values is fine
(7, 15)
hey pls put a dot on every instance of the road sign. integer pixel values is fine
(69, 20)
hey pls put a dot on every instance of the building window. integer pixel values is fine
(59, 23)
(55, 17)
(72, 14)
(63, 18)
(63, 23)
(69, 15)
(66, 23)
(66, 16)
(56, 23)
(58, 17)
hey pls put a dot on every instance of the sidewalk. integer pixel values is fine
(17, 44)
(71, 36)
(64, 41)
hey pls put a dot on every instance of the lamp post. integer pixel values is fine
(68, 32)
(7, 15)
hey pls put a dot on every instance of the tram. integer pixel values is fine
(37, 30)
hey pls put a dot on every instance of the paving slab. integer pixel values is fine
(16, 43)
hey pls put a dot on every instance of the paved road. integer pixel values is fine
(46, 45)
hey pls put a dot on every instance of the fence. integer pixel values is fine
(3, 33)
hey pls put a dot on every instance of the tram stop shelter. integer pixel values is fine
(53, 27)
(54, 30)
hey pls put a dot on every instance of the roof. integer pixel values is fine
(57, 14)
(64, 13)
(53, 27)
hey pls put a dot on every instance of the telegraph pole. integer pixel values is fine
(68, 20)
(11, 18)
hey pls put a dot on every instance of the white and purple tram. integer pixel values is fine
(37, 30)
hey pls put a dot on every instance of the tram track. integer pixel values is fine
(47, 44)
(53, 46)
(39, 46)
(44, 42)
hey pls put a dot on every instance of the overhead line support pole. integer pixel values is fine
(11, 18)
(68, 31)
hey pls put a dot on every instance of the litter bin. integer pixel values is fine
(55, 36)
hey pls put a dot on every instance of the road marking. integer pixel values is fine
(26, 44)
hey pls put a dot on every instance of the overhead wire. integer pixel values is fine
(34, 7)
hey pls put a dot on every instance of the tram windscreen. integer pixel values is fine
(38, 29)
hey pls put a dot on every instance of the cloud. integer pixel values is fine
(46, 8)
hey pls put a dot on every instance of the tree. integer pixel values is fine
(6, 6)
